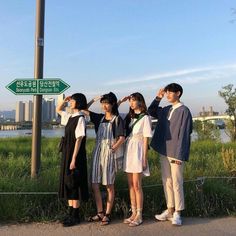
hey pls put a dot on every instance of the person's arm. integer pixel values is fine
(145, 150)
(79, 134)
(93, 100)
(147, 133)
(154, 110)
(119, 133)
(75, 153)
(61, 105)
(124, 99)
(117, 144)
(87, 112)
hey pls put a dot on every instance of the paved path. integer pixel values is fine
(192, 226)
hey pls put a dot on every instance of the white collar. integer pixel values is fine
(179, 104)
(78, 113)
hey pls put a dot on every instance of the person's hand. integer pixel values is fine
(67, 99)
(144, 164)
(161, 93)
(124, 99)
(72, 165)
(114, 148)
(97, 98)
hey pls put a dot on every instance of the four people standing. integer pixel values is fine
(171, 140)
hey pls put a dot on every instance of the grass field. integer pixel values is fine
(215, 196)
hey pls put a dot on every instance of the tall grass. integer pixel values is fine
(214, 197)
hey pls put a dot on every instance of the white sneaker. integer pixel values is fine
(165, 215)
(176, 220)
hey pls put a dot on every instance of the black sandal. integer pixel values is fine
(96, 218)
(106, 219)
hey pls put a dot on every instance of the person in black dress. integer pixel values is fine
(73, 176)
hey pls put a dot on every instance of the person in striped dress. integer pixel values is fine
(108, 153)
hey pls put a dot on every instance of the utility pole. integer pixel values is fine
(38, 74)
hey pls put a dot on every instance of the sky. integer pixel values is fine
(124, 46)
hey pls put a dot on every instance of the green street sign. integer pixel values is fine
(37, 86)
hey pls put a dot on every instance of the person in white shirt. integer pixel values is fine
(138, 131)
(73, 176)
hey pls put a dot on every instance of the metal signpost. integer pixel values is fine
(37, 86)
(38, 73)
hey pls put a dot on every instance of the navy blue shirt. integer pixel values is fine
(171, 137)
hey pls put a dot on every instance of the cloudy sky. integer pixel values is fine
(124, 46)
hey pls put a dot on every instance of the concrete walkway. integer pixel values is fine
(192, 226)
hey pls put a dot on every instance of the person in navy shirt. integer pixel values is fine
(171, 140)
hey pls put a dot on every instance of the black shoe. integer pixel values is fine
(71, 221)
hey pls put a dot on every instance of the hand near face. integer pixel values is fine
(161, 93)
(124, 99)
(67, 99)
(97, 98)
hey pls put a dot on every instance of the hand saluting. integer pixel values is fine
(161, 93)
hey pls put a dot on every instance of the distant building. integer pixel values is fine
(48, 109)
(28, 111)
(24, 110)
(5, 115)
(20, 111)
(208, 113)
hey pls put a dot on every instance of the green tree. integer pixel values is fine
(228, 93)
(205, 130)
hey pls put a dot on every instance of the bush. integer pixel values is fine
(207, 158)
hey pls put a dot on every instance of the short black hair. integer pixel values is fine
(81, 101)
(173, 87)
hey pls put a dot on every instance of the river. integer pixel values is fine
(58, 132)
(49, 133)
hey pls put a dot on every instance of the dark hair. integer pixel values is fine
(112, 100)
(81, 101)
(141, 103)
(173, 87)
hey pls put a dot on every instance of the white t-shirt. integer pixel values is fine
(142, 127)
(80, 128)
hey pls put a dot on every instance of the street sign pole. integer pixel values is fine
(38, 73)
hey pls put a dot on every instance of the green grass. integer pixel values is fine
(215, 197)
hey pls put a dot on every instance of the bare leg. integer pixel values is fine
(70, 203)
(137, 183)
(110, 198)
(75, 203)
(132, 198)
(98, 197)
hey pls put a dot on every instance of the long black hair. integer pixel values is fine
(142, 106)
(141, 103)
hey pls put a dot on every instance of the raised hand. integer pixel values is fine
(97, 98)
(67, 99)
(124, 99)
(160, 93)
